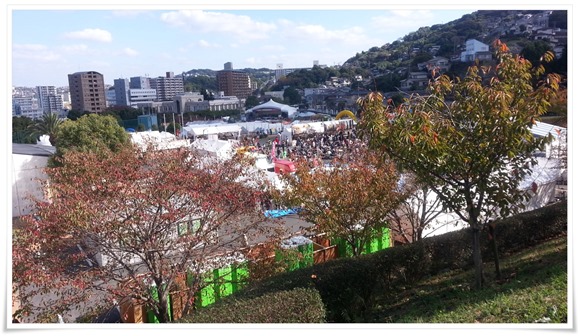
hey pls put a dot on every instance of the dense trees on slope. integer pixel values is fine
(469, 139)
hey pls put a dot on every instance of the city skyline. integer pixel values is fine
(128, 43)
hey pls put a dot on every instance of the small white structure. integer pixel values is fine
(159, 140)
(28, 163)
(222, 149)
(44, 140)
(197, 130)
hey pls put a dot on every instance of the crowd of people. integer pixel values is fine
(321, 146)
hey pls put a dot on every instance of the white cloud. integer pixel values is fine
(75, 48)
(129, 52)
(319, 34)
(273, 47)
(403, 20)
(98, 35)
(205, 44)
(241, 26)
(35, 52)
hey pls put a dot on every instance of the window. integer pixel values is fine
(188, 227)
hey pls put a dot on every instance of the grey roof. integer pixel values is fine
(541, 129)
(32, 149)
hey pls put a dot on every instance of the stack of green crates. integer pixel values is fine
(151, 317)
(380, 241)
(304, 255)
(222, 282)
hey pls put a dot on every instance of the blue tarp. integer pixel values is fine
(280, 212)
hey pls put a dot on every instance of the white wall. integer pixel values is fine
(26, 170)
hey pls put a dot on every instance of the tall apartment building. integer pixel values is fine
(48, 99)
(234, 83)
(121, 92)
(26, 107)
(167, 87)
(139, 83)
(87, 91)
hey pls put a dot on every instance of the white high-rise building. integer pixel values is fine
(48, 99)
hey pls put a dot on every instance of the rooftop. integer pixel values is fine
(32, 149)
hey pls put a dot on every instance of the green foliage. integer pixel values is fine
(171, 128)
(533, 51)
(292, 96)
(122, 112)
(300, 305)
(305, 78)
(20, 130)
(74, 114)
(49, 124)
(252, 101)
(349, 286)
(197, 83)
(140, 128)
(472, 134)
(534, 290)
(90, 133)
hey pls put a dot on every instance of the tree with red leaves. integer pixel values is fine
(348, 199)
(129, 224)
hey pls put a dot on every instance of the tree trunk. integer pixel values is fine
(163, 311)
(477, 262)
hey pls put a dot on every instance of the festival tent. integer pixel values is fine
(160, 140)
(223, 149)
(197, 130)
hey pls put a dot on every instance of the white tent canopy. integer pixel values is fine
(207, 129)
(274, 105)
(161, 140)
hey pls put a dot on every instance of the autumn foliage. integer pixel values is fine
(469, 138)
(130, 223)
(348, 199)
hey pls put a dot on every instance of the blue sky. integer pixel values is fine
(47, 44)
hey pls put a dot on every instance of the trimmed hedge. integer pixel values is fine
(347, 286)
(300, 305)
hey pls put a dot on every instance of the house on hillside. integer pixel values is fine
(440, 64)
(475, 50)
(415, 81)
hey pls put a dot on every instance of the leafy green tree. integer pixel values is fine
(90, 133)
(252, 101)
(292, 96)
(20, 130)
(171, 128)
(48, 124)
(469, 136)
(123, 112)
(75, 114)
(534, 51)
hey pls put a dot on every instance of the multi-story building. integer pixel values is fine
(167, 87)
(26, 107)
(475, 50)
(139, 83)
(87, 90)
(121, 92)
(48, 99)
(234, 83)
(137, 96)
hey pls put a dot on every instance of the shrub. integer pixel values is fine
(301, 305)
(347, 286)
